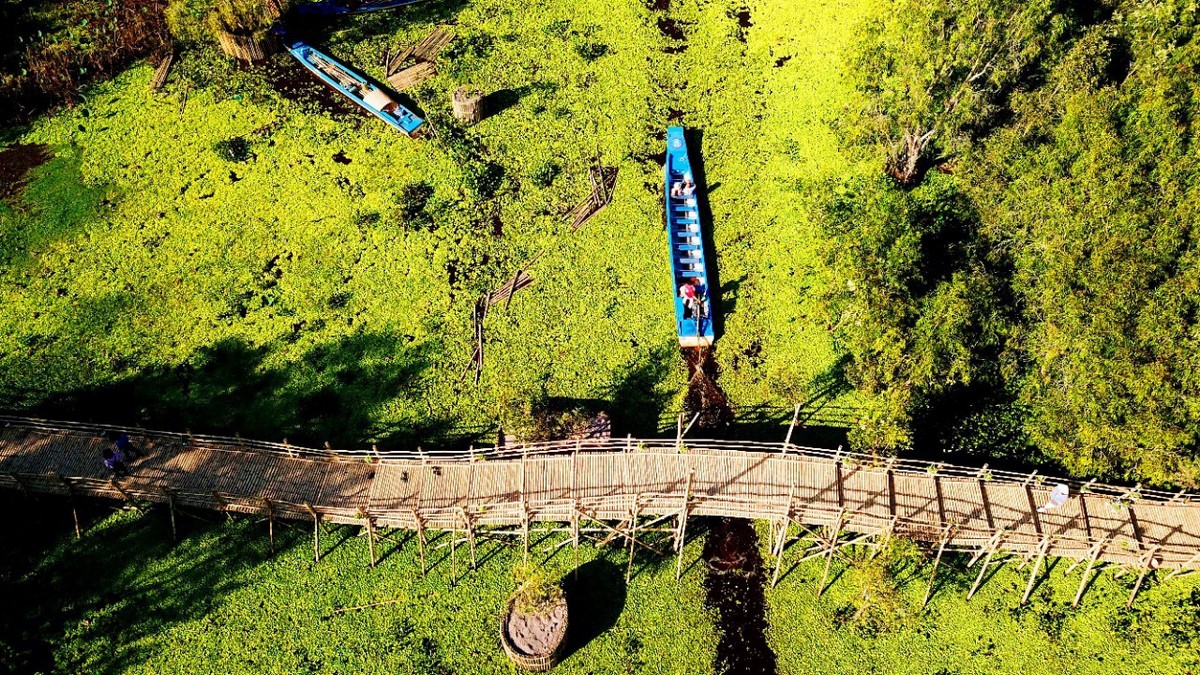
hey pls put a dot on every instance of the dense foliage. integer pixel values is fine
(1073, 290)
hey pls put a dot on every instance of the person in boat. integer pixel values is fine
(676, 190)
(690, 292)
(689, 187)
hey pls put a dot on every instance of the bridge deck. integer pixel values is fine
(607, 480)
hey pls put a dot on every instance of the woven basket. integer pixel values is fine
(538, 663)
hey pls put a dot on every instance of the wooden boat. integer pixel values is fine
(376, 100)
(693, 306)
(340, 7)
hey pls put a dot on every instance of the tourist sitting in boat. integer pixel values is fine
(690, 291)
(676, 190)
(689, 188)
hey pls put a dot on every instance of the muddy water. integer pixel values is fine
(734, 589)
(704, 396)
(16, 161)
(734, 585)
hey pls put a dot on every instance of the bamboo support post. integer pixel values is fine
(992, 547)
(1185, 567)
(371, 538)
(787, 441)
(74, 510)
(270, 523)
(1147, 564)
(1087, 572)
(681, 537)
(632, 537)
(421, 541)
(946, 534)
(1037, 567)
(781, 542)
(316, 532)
(837, 533)
(470, 527)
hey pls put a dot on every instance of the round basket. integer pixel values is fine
(538, 663)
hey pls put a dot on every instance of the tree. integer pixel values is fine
(909, 297)
(933, 74)
(1093, 192)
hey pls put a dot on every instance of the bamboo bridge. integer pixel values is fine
(818, 501)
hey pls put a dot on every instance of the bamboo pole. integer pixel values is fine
(470, 527)
(1148, 560)
(1037, 566)
(946, 534)
(787, 441)
(71, 499)
(632, 537)
(316, 532)
(1087, 572)
(837, 533)
(1185, 567)
(683, 516)
(371, 538)
(987, 561)
(421, 541)
(783, 534)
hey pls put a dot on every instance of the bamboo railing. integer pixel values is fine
(848, 496)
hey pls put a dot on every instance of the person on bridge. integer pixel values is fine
(1058, 497)
(114, 462)
(124, 445)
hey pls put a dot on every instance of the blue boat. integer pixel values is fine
(689, 271)
(340, 7)
(377, 101)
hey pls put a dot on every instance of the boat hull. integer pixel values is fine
(356, 88)
(341, 7)
(685, 232)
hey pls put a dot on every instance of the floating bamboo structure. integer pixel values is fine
(817, 500)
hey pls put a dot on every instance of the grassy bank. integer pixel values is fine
(125, 599)
(992, 633)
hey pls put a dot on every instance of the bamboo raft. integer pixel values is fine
(817, 500)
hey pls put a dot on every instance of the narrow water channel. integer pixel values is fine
(734, 590)
(734, 585)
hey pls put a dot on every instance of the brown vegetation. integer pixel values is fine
(103, 38)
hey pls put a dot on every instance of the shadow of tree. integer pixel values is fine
(595, 598)
(89, 605)
(333, 393)
(637, 394)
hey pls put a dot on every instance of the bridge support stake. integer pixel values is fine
(453, 560)
(316, 532)
(74, 511)
(681, 529)
(1087, 572)
(1037, 567)
(421, 541)
(470, 527)
(632, 537)
(837, 534)
(171, 507)
(782, 537)
(987, 561)
(936, 561)
(1147, 561)
(270, 523)
(371, 538)
(1185, 567)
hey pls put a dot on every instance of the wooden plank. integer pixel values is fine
(412, 76)
(160, 74)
